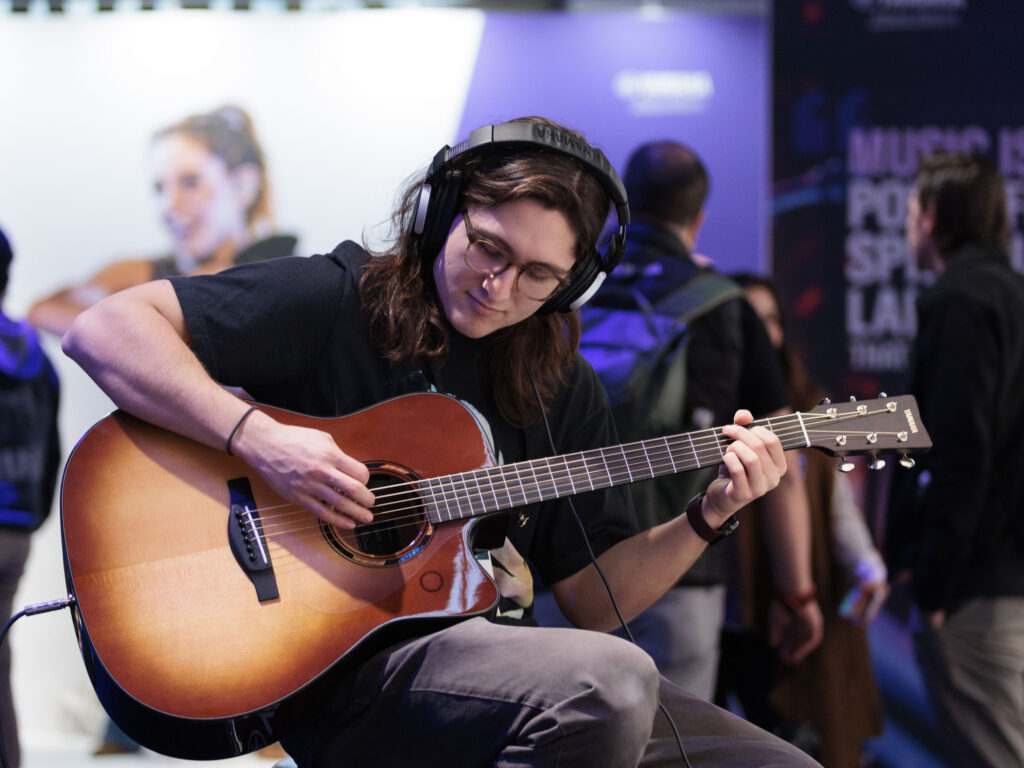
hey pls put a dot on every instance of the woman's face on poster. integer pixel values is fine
(202, 202)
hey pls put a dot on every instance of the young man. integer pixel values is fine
(474, 299)
(955, 530)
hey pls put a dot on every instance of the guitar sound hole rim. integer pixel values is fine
(391, 543)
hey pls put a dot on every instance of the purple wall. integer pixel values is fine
(622, 79)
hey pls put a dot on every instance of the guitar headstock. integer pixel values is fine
(883, 425)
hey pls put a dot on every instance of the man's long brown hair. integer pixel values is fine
(406, 321)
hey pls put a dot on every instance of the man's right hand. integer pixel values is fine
(306, 467)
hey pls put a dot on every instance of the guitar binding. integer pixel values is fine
(401, 528)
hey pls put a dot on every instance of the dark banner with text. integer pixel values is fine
(863, 88)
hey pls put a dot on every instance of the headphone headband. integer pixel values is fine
(539, 135)
(440, 198)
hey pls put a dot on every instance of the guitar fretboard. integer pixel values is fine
(483, 491)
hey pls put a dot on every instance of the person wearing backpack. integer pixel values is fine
(717, 357)
(29, 461)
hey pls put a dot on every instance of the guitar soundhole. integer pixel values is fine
(400, 527)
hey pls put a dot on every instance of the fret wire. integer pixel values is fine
(568, 473)
(469, 494)
(625, 458)
(693, 449)
(521, 484)
(439, 498)
(803, 428)
(607, 471)
(668, 450)
(457, 501)
(433, 484)
(503, 472)
(554, 480)
(494, 491)
(433, 497)
(647, 458)
(536, 481)
(587, 455)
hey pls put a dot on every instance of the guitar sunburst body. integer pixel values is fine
(183, 653)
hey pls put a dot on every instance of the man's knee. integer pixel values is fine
(624, 695)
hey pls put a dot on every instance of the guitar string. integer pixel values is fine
(495, 482)
(282, 557)
(676, 446)
(673, 444)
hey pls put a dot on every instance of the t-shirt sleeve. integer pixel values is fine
(260, 325)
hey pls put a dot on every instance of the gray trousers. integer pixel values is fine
(481, 694)
(681, 632)
(14, 547)
(973, 670)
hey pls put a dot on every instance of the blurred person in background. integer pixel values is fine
(955, 524)
(210, 179)
(729, 362)
(827, 703)
(29, 461)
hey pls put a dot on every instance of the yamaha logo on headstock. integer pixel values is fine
(910, 420)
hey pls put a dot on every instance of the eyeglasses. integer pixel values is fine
(534, 280)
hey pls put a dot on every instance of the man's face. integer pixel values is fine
(527, 233)
(202, 203)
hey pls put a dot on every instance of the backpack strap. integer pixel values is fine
(698, 295)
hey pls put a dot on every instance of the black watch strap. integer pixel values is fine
(695, 515)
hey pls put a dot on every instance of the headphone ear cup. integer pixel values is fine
(581, 278)
(442, 206)
(587, 275)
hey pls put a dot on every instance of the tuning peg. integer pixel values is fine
(906, 462)
(846, 466)
(882, 395)
(877, 463)
(853, 398)
(824, 401)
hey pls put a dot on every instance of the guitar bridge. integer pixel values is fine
(248, 542)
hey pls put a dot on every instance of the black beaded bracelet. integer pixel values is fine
(700, 526)
(238, 426)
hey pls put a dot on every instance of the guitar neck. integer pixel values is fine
(483, 491)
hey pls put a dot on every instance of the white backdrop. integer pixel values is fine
(346, 105)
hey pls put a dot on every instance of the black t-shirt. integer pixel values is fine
(292, 332)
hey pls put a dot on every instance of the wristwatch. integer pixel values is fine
(695, 515)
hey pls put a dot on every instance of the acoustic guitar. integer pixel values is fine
(209, 610)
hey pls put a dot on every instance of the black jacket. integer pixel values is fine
(957, 521)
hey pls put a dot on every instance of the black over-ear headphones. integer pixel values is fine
(440, 200)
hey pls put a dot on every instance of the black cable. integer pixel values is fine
(30, 610)
(604, 580)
